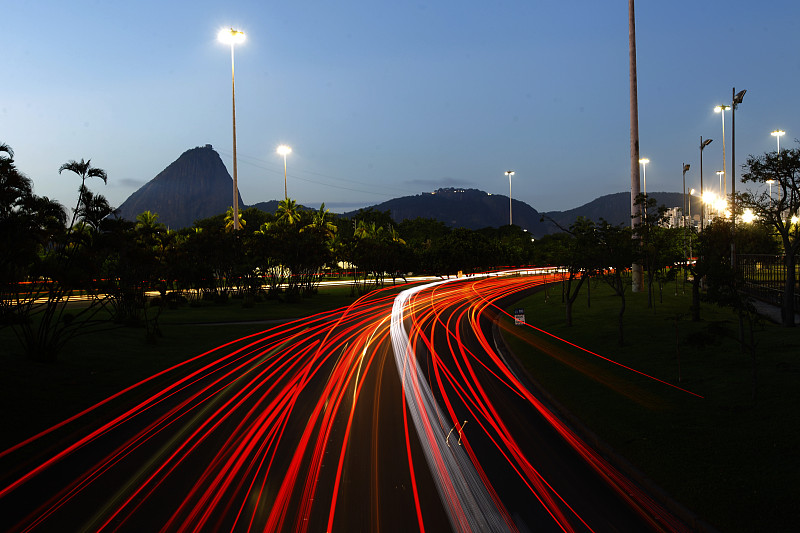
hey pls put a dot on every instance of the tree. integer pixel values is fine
(288, 212)
(660, 247)
(615, 256)
(575, 250)
(781, 214)
(94, 208)
(85, 170)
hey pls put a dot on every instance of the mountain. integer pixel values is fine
(466, 208)
(615, 208)
(194, 186)
(197, 185)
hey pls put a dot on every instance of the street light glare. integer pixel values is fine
(721, 108)
(230, 36)
(778, 133)
(284, 150)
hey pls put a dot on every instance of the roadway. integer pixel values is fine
(395, 414)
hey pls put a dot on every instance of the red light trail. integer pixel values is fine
(395, 414)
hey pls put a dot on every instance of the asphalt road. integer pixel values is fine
(396, 414)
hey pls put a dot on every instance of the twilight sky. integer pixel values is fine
(383, 99)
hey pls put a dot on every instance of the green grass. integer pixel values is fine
(728, 458)
(96, 365)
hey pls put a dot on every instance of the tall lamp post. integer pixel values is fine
(703, 144)
(232, 37)
(637, 282)
(721, 110)
(691, 193)
(509, 173)
(284, 151)
(777, 134)
(770, 182)
(736, 99)
(685, 256)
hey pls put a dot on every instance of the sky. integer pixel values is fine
(383, 99)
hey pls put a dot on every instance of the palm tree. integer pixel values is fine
(85, 170)
(94, 209)
(320, 221)
(229, 223)
(148, 221)
(288, 212)
(15, 187)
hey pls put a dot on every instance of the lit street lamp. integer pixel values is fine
(683, 214)
(736, 99)
(232, 37)
(770, 182)
(644, 162)
(721, 110)
(509, 173)
(284, 151)
(691, 193)
(721, 173)
(703, 144)
(777, 134)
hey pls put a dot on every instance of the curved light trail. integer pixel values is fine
(394, 414)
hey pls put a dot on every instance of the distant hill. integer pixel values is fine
(197, 185)
(615, 208)
(194, 186)
(465, 208)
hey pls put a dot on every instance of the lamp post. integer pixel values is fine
(735, 101)
(770, 182)
(509, 173)
(284, 151)
(685, 256)
(721, 110)
(777, 134)
(691, 193)
(703, 144)
(232, 37)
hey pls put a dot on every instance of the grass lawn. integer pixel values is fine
(731, 459)
(94, 366)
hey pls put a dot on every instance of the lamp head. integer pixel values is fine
(686, 168)
(778, 133)
(644, 161)
(739, 97)
(284, 150)
(705, 143)
(230, 36)
(721, 108)
(510, 172)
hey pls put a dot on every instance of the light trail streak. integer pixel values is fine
(297, 427)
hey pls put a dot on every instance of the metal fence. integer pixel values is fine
(764, 277)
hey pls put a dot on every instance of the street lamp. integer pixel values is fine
(509, 173)
(770, 182)
(721, 110)
(703, 144)
(233, 37)
(685, 256)
(721, 173)
(735, 101)
(644, 162)
(284, 151)
(691, 193)
(777, 134)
